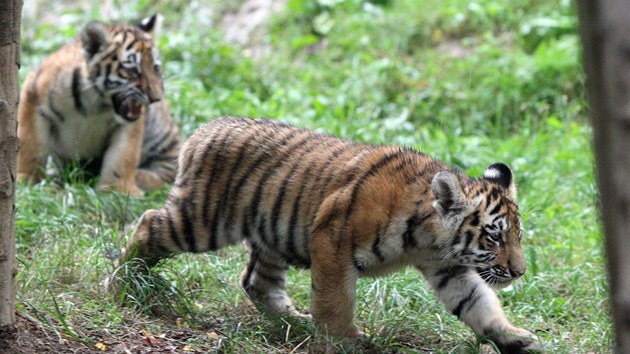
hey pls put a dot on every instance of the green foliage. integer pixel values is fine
(468, 82)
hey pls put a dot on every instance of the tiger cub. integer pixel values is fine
(346, 210)
(98, 100)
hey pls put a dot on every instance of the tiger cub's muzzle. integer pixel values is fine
(129, 106)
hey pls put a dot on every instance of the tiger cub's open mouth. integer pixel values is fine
(127, 107)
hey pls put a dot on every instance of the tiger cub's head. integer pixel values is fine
(483, 218)
(123, 65)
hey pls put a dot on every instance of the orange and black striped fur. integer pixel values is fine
(346, 210)
(98, 100)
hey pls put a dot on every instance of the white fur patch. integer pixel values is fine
(492, 173)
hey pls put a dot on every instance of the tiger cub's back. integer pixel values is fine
(245, 178)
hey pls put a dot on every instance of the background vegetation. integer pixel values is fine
(469, 82)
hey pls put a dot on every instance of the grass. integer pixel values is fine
(468, 82)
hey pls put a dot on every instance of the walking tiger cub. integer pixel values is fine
(98, 100)
(346, 210)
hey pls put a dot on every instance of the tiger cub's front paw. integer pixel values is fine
(516, 341)
(122, 188)
(30, 178)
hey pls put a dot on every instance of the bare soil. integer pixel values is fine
(31, 337)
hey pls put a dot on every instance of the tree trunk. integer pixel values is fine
(10, 18)
(605, 30)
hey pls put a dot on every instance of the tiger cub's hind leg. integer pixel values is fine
(264, 281)
(155, 178)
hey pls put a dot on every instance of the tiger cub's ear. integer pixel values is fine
(450, 201)
(94, 38)
(501, 174)
(151, 25)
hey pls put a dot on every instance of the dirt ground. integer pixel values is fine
(32, 338)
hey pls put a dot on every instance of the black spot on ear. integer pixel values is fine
(499, 173)
(148, 24)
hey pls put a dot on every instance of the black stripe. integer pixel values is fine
(46, 116)
(262, 157)
(173, 231)
(152, 139)
(108, 71)
(334, 172)
(415, 221)
(253, 256)
(227, 190)
(173, 141)
(376, 245)
(487, 258)
(413, 177)
(262, 230)
(154, 246)
(154, 226)
(277, 206)
(131, 44)
(499, 216)
(334, 176)
(293, 219)
(53, 128)
(297, 203)
(408, 240)
(335, 211)
(372, 170)
(270, 278)
(489, 200)
(460, 306)
(185, 166)
(53, 109)
(475, 218)
(76, 91)
(189, 233)
(271, 170)
(263, 234)
(199, 162)
(469, 238)
(216, 167)
(262, 182)
(124, 32)
(358, 265)
(496, 209)
(324, 187)
(447, 274)
(456, 240)
(279, 202)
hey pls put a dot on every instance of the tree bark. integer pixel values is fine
(10, 20)
(605, 29)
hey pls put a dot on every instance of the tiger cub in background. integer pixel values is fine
(346, 210)
(99, 100)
